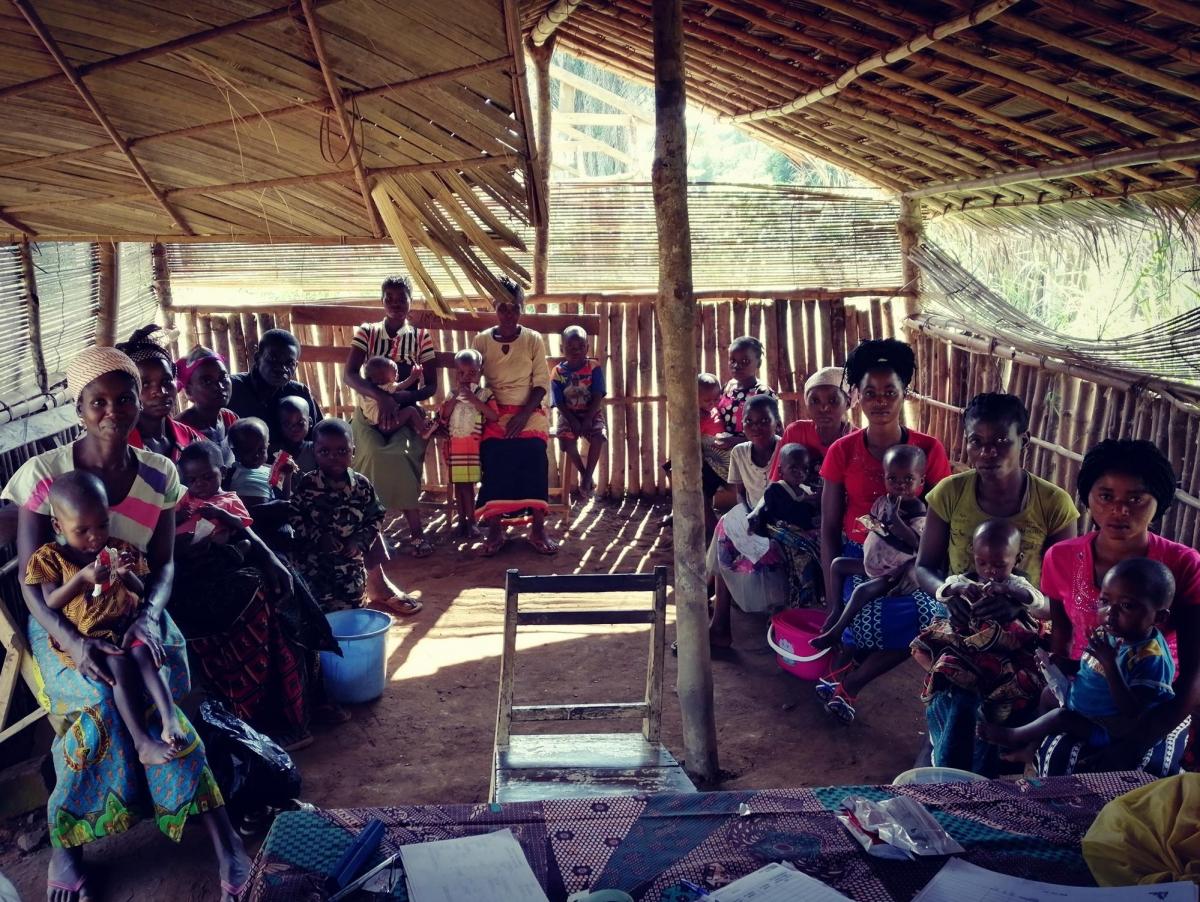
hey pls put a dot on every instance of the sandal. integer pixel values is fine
(76, 889)
(419, 547)
(401, 605)
(827, 685)
(544, 546)
(235, 891)
(491, 547)
(841, 704)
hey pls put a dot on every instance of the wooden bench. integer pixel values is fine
(553, 766)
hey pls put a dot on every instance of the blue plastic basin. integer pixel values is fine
(361, 673)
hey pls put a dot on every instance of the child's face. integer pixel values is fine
(294, 424)
(333, 453)
(85, 530)
(904, 480)
(794, 468)
(158, 388)
(758, 424)
(1126, 611)
(382, 373)
(203, 480)
(575, 350)
(995, 561)
(708, 397)
(208, 386)
(249, 448)
(743, 364)
(827, 406)
(466, 372)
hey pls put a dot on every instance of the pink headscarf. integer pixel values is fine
(184, 369)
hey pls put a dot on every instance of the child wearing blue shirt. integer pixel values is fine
(578, 390)
(1125, 670)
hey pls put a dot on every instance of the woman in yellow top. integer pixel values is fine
(996, 487)
(512, 455)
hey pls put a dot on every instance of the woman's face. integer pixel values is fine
(827, 406)
(277, 362)
(109, 406)
(994, 449)
(882, 393)
(208, 385)
(508, 316)
(158, 388)
(1121, 506)
(396, 303)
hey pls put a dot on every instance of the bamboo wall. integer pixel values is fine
(1072, 409)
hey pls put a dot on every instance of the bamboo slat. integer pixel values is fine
(633, 454)
(616, 375)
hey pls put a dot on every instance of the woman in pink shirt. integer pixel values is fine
(881, 370)
(1126, 485)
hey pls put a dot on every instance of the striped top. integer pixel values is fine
(409, 345)
(154, 490)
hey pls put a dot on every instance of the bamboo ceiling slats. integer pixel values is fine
(247, 119)
(1045, 81)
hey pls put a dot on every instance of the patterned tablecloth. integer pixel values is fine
(646, 845)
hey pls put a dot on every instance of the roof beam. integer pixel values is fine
(13, 223)
(1183, 10)
(339, 110)
(902, 51)
(137, 56)
(555, 16)
(1092, 15)
(1183, 150)
(43, 34)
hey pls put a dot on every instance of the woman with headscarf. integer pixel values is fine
(100, 783)
(512, 455)
(204, 378)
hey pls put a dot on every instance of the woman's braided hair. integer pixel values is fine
(141, 348)
(1129, 457)
(880, 353)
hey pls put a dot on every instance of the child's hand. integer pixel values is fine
(219, 516)
(125, 564)
(1099, 649)
(97, 574)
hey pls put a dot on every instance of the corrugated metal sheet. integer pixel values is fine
(603, 238)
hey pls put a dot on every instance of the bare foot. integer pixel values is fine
(65, 878)
(233, 866)
(1002, 736)
(154, 751)
(173, 733)
(541, 542)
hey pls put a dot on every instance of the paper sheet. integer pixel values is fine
(737, 528)
(775, 883)
(489, 867)
(960, 880)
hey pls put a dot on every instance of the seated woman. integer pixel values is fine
(204, 379)
(512, 456)
(881, 370)
(100, 784)
(996, 486)
(156, 430)
(1126, 485)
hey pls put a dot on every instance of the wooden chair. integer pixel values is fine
(544, 766)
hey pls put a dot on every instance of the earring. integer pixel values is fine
(60, 538)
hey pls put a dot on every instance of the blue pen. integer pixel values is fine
(695, 888)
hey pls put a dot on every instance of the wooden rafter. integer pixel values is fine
(971, 205)
(1183, 10)
(535, 193)
(13, 223)
(35, 22)
(339, 110)
(1093, 15)
(893, 55)
(554, 17)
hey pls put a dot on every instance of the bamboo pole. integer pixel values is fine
(887, 58)
(708, 328)
(106, 317)
(677, 307)
(645, 363)
(162, 287)
(541, 52)
(605, 358)
(616, 377)
(633, 483)
(551, 20)
(13, 223)
(33, 308)
(659, 408)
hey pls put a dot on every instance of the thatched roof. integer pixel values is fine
(919, 94)
(133, 119)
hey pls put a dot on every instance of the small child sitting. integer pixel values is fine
(578, 390)
(383, 373)
(98, 592)
(790, 501)
(205, 503)
(708, 396)
(1125, 671)
(464, 414)
(251, 478)
(295, 422)
(894, 528)
(992, 659)
(336, 516)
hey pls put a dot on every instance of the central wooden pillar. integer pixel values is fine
(541, 54)
(677, 315)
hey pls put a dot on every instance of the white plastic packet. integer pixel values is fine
(1056, 680)
(897, 828)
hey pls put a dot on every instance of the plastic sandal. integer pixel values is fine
(826, 686)
(235, 891)
(841, 705)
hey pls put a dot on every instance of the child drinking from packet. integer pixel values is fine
(464, 414)
(336, 515)
(100, 595)
(204, 502)
(295, 422)
(578, 390)
(992, 659)
(790, 501)
(894, 528)
(1125, 670)
(383, 373)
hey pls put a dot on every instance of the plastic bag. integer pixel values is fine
(898, 828)
(252, 769)
(1149, 835)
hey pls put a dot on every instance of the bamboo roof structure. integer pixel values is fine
(1035, 112)
(258, 121)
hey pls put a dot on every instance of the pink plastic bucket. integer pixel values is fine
(789, 635)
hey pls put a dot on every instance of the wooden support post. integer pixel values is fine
(541, 54)
(677, 309)
(911, 231)
(106, 318)
(162, 288)
(33, 306)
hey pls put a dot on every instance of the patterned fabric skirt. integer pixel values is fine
(462, 452)
(888, 624)
(1059, 755)
(801, 553)
(515, 479)
(101, 788)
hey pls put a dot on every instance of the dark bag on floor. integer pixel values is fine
(252, 769)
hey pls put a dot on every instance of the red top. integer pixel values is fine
(851, 464)
(801, 432)
(182, 437)
(226, 501)
(1069, 575)
(711, 422)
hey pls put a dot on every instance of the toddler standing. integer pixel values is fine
(464, 414)
(578, 390)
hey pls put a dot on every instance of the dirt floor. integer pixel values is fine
(429, 738)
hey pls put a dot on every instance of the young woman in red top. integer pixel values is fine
(881, 370)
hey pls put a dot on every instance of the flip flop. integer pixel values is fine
(404, 605)
(543, 546)
(235, 891)
(420, 548)
(492, 548)
(841, 705)
(75, 889)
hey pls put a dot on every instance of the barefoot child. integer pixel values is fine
(1125, 670)
(100, 596)
(464, 414)
(894, 528)
(790, 500)
(336, 515)
(578, 390)
(295, 423)
(383, 373)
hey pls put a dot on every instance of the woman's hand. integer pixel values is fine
(516, 425)
(90, 657)
(278, 576)
(146, 628)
